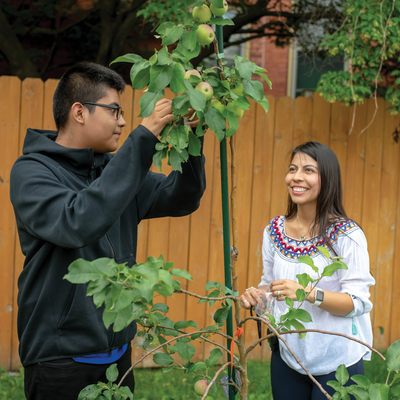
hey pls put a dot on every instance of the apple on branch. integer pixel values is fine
(205, 34)
(205, 88)
(218, 105)
(201, 14)
(200, 387)
(190, 72)
(219, 12)
(235, 109)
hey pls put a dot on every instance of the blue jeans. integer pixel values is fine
(289, 384)
(63, 379)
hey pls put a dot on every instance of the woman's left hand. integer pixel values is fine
(282, 288)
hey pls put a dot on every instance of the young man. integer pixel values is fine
(73, 199)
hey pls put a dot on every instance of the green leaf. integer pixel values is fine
(298, 326)
(300, 294)
(177, 81)
(194, 145)
(308, 260)
(254, 89)
(172, 34)
(112, 373)
(215, 355)
(175, 158)
(300, 314)
(304, 279)
(163, 57)
(246, 69)
(126, 392)
(220, 21)
(160, 77)
(341, 374)
(379, 391)
(163, 359)
(160, 307)
(217, 3)
(212, 284)
(185, 350)
(232, 122)
(131, 58)
(158, 157)
(331, 268)
(164, 27)
(393, 357)
(181, 273)
(334, 384)
(192, 367)
(185, 324)
(358, 393)
(361, 381)
(82, 271)
(189, 40)
(90, 392)
(165, 277)
(148, 102)
(324, 251)
(221, 314)
(216, 122)
(289, 302)
(196, 98)
(178, 137)
(140, 75)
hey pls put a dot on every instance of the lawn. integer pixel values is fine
(153, 383)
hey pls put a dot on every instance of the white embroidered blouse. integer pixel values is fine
(322, 353)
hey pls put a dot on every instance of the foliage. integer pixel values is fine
(11, 386)
(370, 41)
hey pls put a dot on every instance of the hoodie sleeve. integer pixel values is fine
(48, 209)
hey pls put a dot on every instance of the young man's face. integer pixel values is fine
(103, 129)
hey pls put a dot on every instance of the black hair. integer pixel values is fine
(330, 198)
(83, 82)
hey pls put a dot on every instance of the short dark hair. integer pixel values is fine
(83, 82)
(330, 198)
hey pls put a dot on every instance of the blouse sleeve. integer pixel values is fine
(268, 259)
(357, 279)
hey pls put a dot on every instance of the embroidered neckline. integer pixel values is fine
(291, 248)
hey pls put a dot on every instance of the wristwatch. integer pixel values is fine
(319, 297)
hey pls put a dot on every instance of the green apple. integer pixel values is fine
(219, 12)
(218, 105)
(205, 34)
(237, 89)
(205, 88)
(235, 109)
(201, 14)
(190, 72)
(200, 387)
(154, 342)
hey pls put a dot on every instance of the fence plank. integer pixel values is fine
(10, 101)
(386, 233)
(321, 119)
(302, 131)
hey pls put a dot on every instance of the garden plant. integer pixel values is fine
(217, 97)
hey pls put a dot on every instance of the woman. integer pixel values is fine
(340, 303)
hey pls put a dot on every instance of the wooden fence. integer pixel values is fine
(370, 171)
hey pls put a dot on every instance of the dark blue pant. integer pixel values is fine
(289, 384)
(63, 379)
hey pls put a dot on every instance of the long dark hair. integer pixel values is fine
(330, 198)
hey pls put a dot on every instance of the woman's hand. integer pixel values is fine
(252, 296)
(282, 288)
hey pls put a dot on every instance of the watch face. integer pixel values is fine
(319, 295)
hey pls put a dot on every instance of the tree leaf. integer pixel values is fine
(254, 89)
(232, 122)
(181, 273)
(175, 158)
(379, 391)
(130, 58)
(308, 260)
(194, 145)
(393, 357)
(185, 350)
(163, 359)
(140, 75)
(112, 373)
(300, 294)
(245, 68)
(172, 34)
(212, 284)
(185, 324)
(304, 279)
(361, 381)
(300, 314)
(215, 356)
(196, 98)
(216, 122)
(177, 80)
(341, 374)
(148, 101)
(324, 251)
(82, 271)
(160, 77)
(160, 307)
(331, 268)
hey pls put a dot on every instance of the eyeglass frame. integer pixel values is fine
(120, 111)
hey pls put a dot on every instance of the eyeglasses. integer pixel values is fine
(119, 112)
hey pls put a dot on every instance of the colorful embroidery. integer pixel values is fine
(292, 249)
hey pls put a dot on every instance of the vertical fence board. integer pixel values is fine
(302, 131)
(283, 144)
(386, 233)
(48, 119)
(321, 119)
(9, 131)
(372, 184)
(353, 181)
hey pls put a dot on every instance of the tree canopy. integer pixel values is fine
(39, 38)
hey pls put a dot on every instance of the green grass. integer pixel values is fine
(153, 383)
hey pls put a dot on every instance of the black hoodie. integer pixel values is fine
(70, 204)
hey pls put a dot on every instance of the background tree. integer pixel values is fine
(39, 38)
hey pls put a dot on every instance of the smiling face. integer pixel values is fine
(102, 129)
(303, 180)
